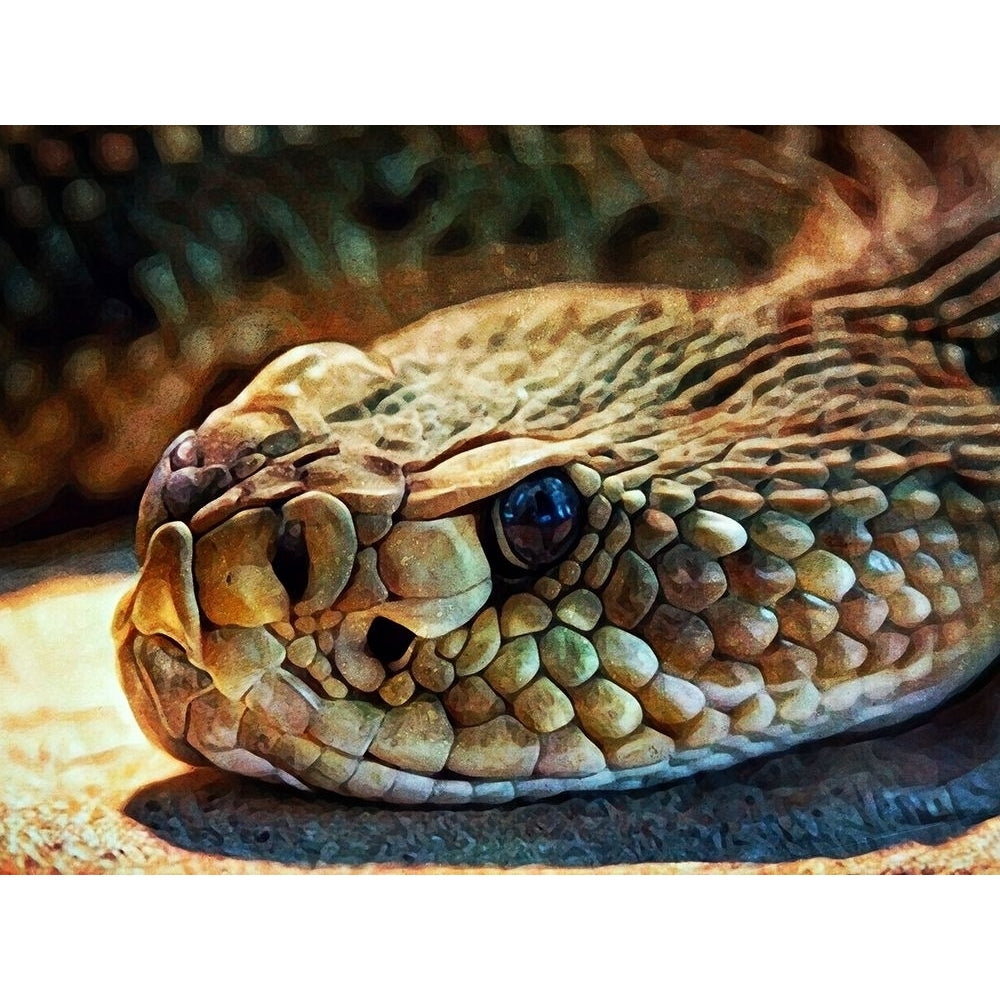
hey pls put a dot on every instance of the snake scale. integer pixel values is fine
(587, 536)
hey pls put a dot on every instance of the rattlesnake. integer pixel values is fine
(582, 537)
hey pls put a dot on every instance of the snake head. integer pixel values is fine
(562, 540)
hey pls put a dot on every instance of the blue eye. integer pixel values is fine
(537, 521)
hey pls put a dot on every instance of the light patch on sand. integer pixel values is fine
(64, 722)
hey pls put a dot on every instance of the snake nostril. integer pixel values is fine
(291, 560)
(387, 640)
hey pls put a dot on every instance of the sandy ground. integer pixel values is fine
(84, 791)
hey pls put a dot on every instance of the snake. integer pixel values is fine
(730, 488)
(588, 537)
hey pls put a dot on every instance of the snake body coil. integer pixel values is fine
(785, 527)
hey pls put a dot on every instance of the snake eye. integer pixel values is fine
(538, 520)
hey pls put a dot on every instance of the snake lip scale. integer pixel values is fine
(784, 529)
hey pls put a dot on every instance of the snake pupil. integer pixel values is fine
(538, 519)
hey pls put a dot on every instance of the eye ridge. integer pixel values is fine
(537, 521)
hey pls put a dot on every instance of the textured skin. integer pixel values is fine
(792, 504)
